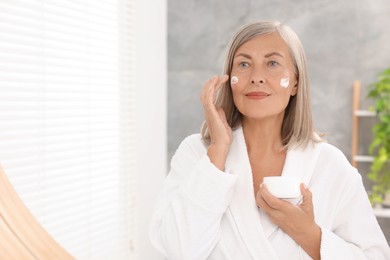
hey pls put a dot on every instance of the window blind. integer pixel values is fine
(66, 119)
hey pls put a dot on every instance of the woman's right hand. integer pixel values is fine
(220, 132)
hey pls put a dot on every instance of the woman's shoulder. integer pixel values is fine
(190, 150)
(333, 167)
(332, 156)
(193, 144)
(193, 138)
(331, 150)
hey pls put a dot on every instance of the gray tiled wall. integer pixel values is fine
(345, 40)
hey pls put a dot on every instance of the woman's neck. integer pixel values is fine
(263, 136)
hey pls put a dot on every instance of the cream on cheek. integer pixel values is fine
(285, 80)
(233, 80)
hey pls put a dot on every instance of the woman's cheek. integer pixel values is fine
(238, 78)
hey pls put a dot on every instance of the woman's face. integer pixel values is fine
(265, 78)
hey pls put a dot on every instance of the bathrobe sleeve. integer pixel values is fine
(186, 222)
(355, 233)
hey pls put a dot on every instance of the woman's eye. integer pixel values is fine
(273, 63)
(243, 64)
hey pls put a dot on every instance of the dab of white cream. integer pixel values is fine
(284, 82)
(234, 80)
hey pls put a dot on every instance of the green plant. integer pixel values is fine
(380, 146)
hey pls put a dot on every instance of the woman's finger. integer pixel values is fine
(271, 200)
(221, 81)
(222, 115)
(261, 203)
(204, 91)
(212, 90)
(307, 199)
(217, 83)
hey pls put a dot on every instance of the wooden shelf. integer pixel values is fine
(382, 212)
(356, 114)
(363, 158)
(365, 113)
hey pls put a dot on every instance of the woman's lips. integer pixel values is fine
(257, 95)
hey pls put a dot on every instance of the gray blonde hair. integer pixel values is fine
(297, 127)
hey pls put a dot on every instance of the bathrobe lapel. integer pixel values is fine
(253, 224)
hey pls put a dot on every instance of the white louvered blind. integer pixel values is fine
(66, 120)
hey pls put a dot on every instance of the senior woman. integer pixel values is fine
(258, 123)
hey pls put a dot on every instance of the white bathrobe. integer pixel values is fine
(205, 213)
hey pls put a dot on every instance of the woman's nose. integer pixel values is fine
(257, 81)
(257, 78)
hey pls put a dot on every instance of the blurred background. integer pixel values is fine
(96, 96)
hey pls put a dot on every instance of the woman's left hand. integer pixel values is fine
(295, 220)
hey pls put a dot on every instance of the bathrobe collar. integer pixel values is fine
(253, 224)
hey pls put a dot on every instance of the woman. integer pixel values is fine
(257, 124)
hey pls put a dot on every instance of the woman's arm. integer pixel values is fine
(355, 233)
(186, 222)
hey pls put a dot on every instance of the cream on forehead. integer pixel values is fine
(285, 82)
(233, 80)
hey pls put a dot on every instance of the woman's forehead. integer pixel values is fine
(272, 40)
(264, 44)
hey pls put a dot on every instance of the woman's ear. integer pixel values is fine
(294, 89)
